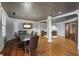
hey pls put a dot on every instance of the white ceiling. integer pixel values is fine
(38, 10)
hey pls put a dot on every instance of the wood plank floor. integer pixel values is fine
(59, 47)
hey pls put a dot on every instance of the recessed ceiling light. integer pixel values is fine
(59, 12)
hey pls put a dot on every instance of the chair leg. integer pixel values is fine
(29, 53)
(33, 53)
(36, 52)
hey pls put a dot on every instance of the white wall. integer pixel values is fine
(19, 25)
(78, 29)
(3, 16)
(9, 29)
(0, 30)
(61, 26)
(43, 26)
(15, 25)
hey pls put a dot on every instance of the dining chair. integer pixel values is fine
(17, 37)
(20, 44)
(33, 45)
(32, 33)
(27, 42)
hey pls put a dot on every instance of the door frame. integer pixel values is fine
(76, 30)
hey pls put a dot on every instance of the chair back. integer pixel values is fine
(32, 33)
(33, 43)
(17, 37)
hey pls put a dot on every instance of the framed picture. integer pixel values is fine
(27, 25)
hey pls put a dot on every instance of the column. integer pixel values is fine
(78, 27)
(0, 30)
(49, 24)
(39, 30)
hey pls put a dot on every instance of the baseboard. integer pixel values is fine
(0, 51)
(49, 40)
(1, 48)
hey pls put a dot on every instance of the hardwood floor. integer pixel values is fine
(11, 49)
(59, 47)
(71, 47)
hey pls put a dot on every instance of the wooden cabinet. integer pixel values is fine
(71, 30)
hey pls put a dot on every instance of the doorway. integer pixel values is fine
(71, 31)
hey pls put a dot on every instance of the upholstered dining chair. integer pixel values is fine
(33, 45)
(32, 33)
(17, 37)
(18, 40)
(27, 42)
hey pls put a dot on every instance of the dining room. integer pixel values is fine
(39, 29)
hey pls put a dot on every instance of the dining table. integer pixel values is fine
(25, 38)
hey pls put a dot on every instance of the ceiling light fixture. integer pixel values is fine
(59, 12)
